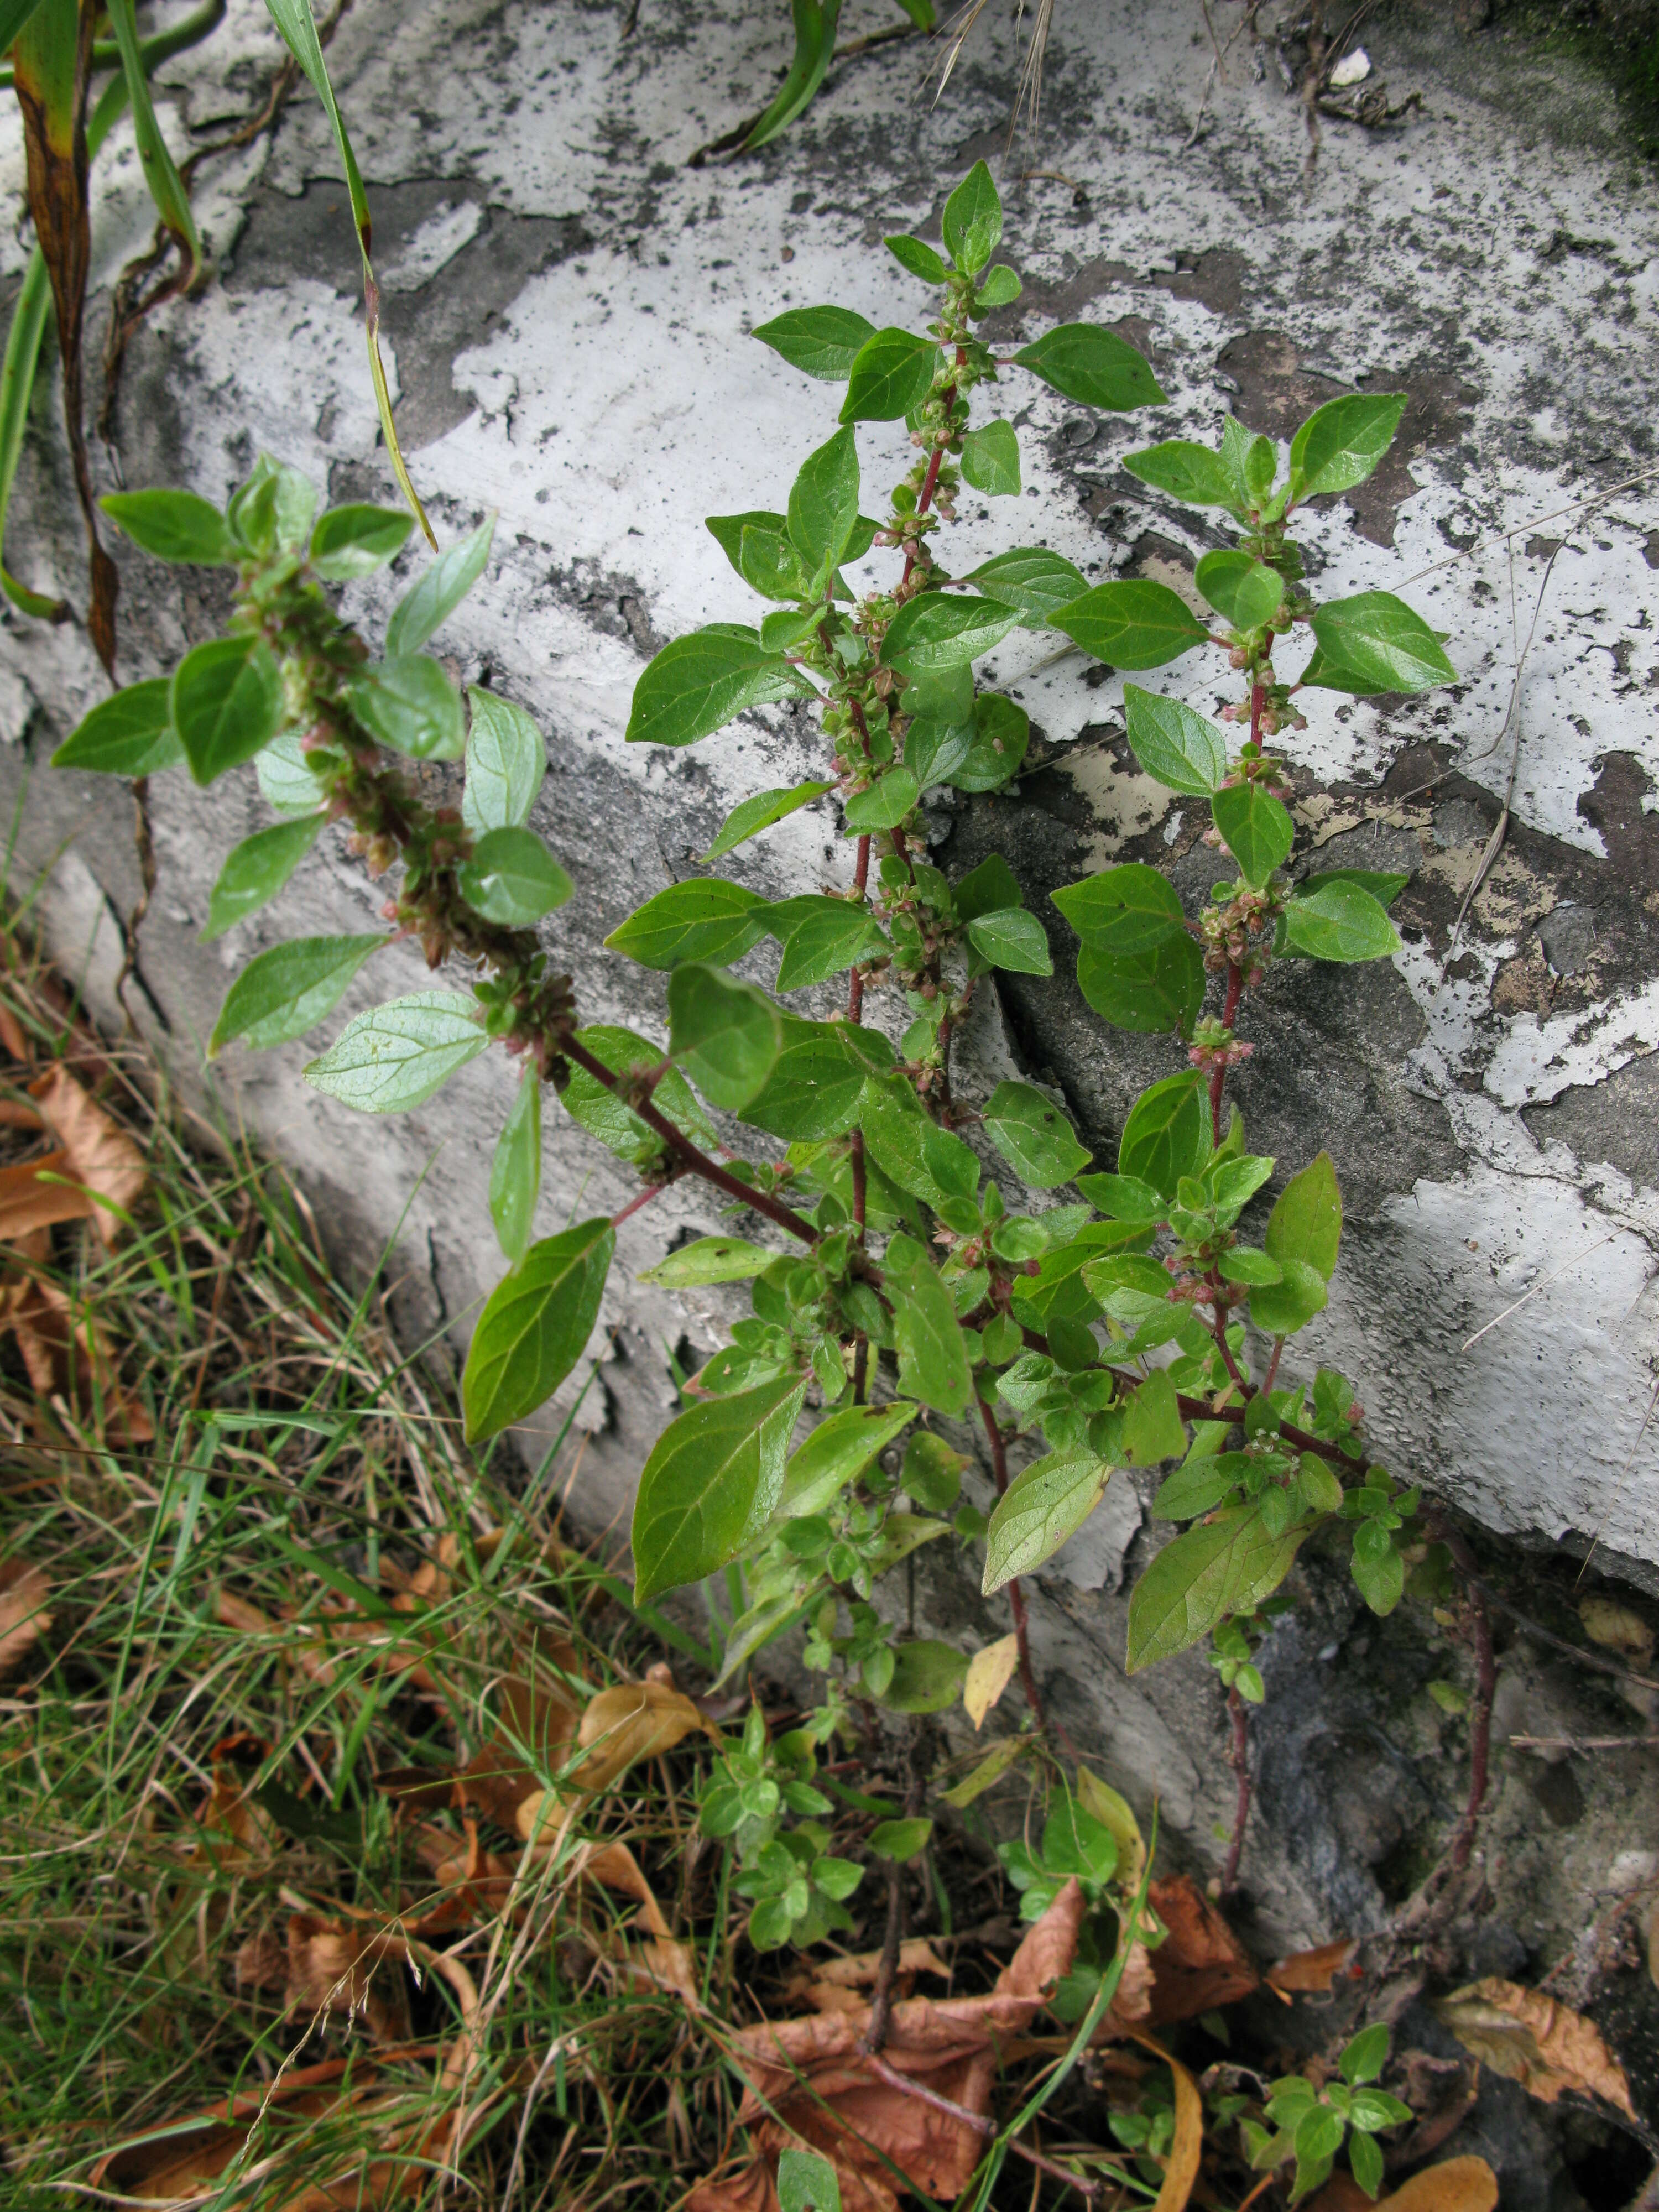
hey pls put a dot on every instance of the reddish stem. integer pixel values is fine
(1016, 1594)
(1239, 1758)
(930, 482)
(643, 1198)
(1218, 1075)
(1486, 1666)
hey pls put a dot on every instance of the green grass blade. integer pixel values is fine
(166, 187)
(28, 324)
(815, 46)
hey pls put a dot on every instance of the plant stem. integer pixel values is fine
(1016, 1594)
(1218, 1075)
(642, 1198)
(1486, 1666)
(1239, 1758)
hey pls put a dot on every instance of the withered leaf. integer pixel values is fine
(99, 1154)
(1532, 2039)
(1460, 2184)
(1201, 1966)
(989, 1673)
(1310, 1973)
(24, 1589)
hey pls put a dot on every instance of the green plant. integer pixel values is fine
(797, 1888)
(1310, 2124)
(1043, 1318)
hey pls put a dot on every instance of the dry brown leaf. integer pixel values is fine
(23, 1617)
(98, 1153)
(1461, 2185)
(989, 1673)
(11, 1034)
(1310, 1973)
(262, 1963)
(1531, 2040)
(951, 2045)
(1617, 1628)
(1201, 1966)
(67, 1360)
(30, 1199)
(331, 1967)
(1187, 2144)
(634, 1721)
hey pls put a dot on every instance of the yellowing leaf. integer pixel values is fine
(989, 1673)
(1617, 1627)
(1114, 1813)
(1531, 2040)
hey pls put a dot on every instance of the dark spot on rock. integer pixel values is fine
(1558, 1793)
(1219, 279)
(1568, 937)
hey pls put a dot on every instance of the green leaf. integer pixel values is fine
(728, 1034)
(1131, 622)
(823, 506)
(698, 683)
(821, 936)
(1225, 1565)
(284, 992)
(704, 918)
(825, 342)
(1375, 642)
(1366, 2054)
(936, 630)
(515, 1173)
(1374, 2109)
(1318, 2136)
(933, 1356)
(927, 1677)
(751, 816)
(1033, 1136)
(807, 2183)
(506, 762)
(226, 703)
(288, 782)
(535, 1327)
(838, 1450)
(131, 734)
(411, 706)
(758, 547)
(987, 888)
(1001, 732)
(1152, 1427)
(973, 220)
(1378, 1570)
(815, 46)
(1306, 1222)
(1159, 988)
(604, 1115)
(1164, 1136)
(166, 188)
(1383, 886)
(1038, 1511)
(1125, 1198)
(918, 256)
(395, 1056)
(885, 803)
(1200, 1486)
(174, 526)
(900, 1840)
(1339, 922)
(998, 288)
(1013, 940)
(990, 458)
(434, 595)
(709, 1259)
(1092, 366)
(1258, 830)
(256, 870)
(356, 541)
(1182, 750)
(512, 879)
(1282, 1308)
(272, 512)
(1340, 443)
(1190, 473)
(890, 375)
(813, 1091)
(933, 1473)
(1243, 590)
(1034, 581)
(1366, 2161)
(710, 1484)
(1127, 908)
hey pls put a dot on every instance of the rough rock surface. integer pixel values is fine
(567, 303)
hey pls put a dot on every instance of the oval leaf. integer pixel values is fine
(284, 992)
(699, 683)
(710, 1484)
(1131, 622)
(395, 1056)
(535, 1327)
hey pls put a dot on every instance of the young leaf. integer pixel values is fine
(890, 375)
(1152, 1428)
(515, 1173)
(973, 220)
(1364, 2055)
(751, 816)
(698, 683)
(704, 918)
(1243, 591)
(1340, 443)
(1159, 988)
(1164, 1136)
(131, 734)
(824, 505)
(410, 705)
(1001, 732)
(918, 256)
(1093, 366)
(710, 1260)
(1033, 1136)
(356, 541)
(1340, 921)
(900, 1840)
(1258, 830)
(1040, 1509)
(535, 1327)
(825, 342)
(990, 458)
(1281, 1308)
(174, 526)
(1189, 472)
(506, 762)
(1225, 1565)
(710, 1484)
(395, 1056)
(1375, 642)
(226, 703)
(885, 803)
(728, 1034)
(1306, 1222)
(998, 288)
(1185, 751)
(1131, 622)
(935, 630)
(434, 596)
(512, 879)
(815, 46)
(1034, 581)
(256, 870)
(1125, 1198)
(283, 992)
(758, 546)
(1383, 885)
(1127, 908)
(288, 782)
(932, 1356)
(822, 936)
(1012, 939)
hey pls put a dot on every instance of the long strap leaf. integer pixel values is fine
(166, 187)
(293, 19)
(815, 47)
